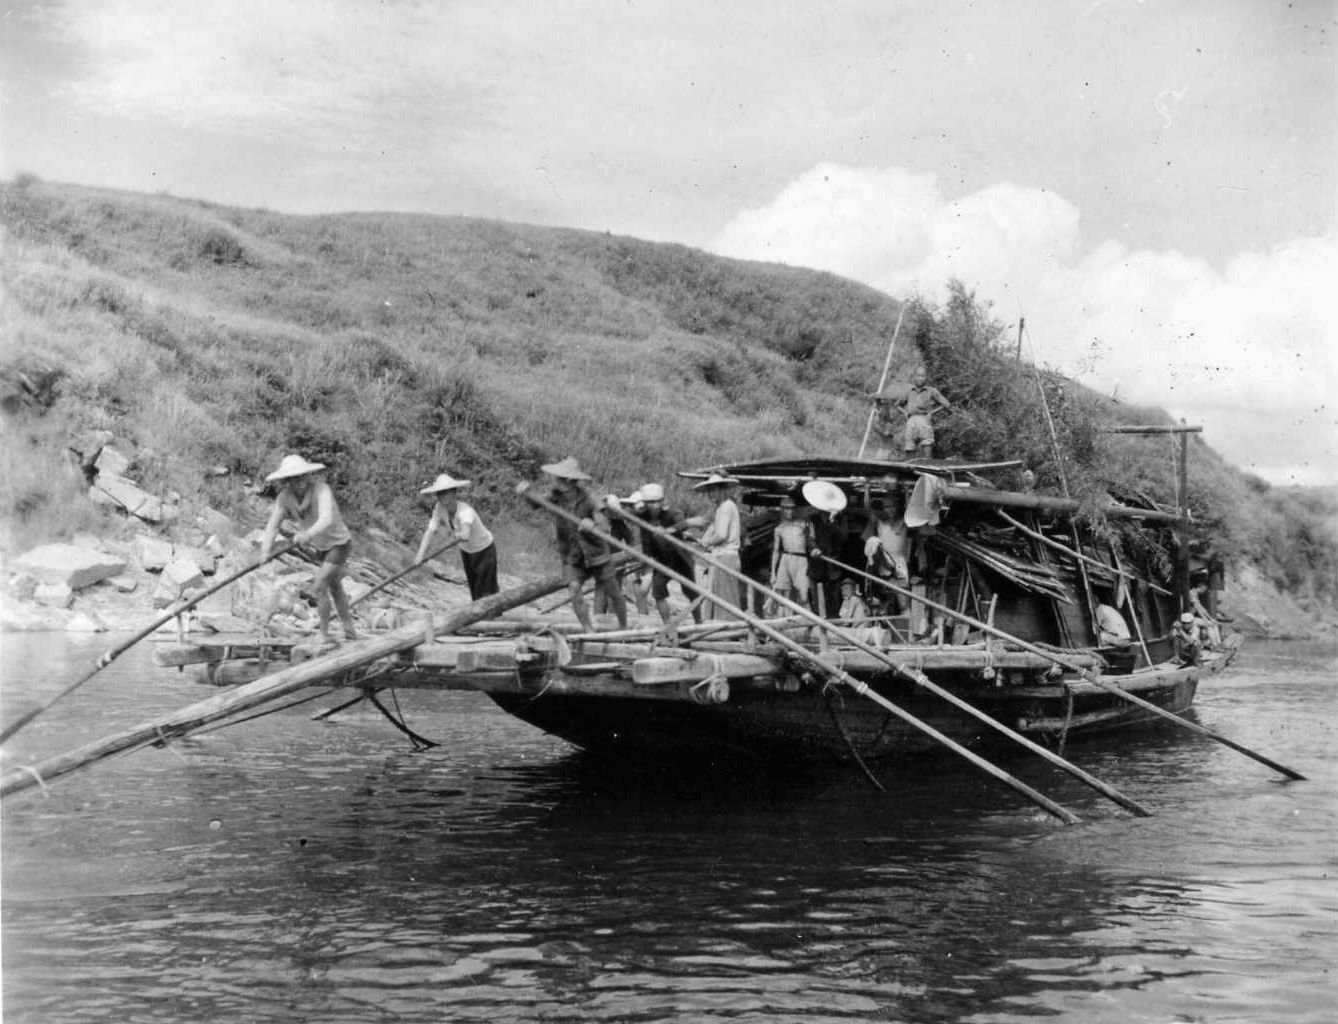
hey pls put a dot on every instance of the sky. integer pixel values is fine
(1152, 185)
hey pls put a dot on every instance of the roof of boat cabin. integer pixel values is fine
(840, 470)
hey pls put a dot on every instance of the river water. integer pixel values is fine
(289, 870)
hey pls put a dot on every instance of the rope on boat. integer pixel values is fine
(1068, 715)
(420, 743)
(850, 744)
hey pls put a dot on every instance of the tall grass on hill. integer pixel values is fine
(393, 347)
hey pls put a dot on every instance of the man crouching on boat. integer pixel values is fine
(584, 556)
(305, 498)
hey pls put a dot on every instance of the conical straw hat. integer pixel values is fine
(567, 469)
(445, 482)
(715, 480)
(292, 466)
(824, 495)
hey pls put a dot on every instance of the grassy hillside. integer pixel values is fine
(394, 346)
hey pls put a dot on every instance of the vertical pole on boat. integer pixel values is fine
(1182, 527)
(882, 381)
(1021, 323)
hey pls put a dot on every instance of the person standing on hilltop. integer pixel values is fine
(478, 552)
(306, 498)
(584, 556)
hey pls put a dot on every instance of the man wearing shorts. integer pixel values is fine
(791, 546)
(919, 405)
(306, 499)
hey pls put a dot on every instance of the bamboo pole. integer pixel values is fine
(109, 656)
(1091, 677)
(812, 659)
(405, 571)
(882, 381)
(269, 688)
(1022, 527)
(922, 680)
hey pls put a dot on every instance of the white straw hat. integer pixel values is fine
(824, 495)
(652, 492)
(292, 466)
(715, 480)
(567, 469)
(445, 482)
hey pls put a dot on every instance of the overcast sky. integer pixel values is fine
(1152, 184)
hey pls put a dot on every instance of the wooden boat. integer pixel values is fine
(999, 611)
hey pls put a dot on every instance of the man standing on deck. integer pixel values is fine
(919, 405)
(791, 546)
(478, 552)
(584, 556)
(722, 540)
(666, 552)
(306, 498)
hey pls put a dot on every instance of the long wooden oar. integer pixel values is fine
(882, 381)
(922, 680)
(1087, 674)
(271, 687)
(111, 655)
(405, 571)
(817, 664)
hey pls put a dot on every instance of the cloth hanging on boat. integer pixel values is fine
(926, 504)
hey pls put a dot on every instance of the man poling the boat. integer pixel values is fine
(652, 495)
(306, 498)
(583, 549)
(478, 550)
(824, 668)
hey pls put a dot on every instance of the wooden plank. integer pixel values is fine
(661, 670)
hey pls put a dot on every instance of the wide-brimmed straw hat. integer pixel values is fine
(824, 495)
(635, 498)
(567, 469)
(445, 482)
(715, 480)
(293, 466)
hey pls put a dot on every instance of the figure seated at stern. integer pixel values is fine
(1187, 637)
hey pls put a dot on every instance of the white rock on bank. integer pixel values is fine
(182, 573)
(124, 583)
(117, 491)
(85, 622)
(72, 566)
(53, 595)
(152, 553)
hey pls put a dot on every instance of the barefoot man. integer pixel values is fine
(305, 498)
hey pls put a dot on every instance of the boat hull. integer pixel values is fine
(797, 719)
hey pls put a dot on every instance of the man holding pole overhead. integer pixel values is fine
(478, 552)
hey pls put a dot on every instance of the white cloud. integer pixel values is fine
(1250, 350)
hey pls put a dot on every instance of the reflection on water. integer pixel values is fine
(290, 870)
